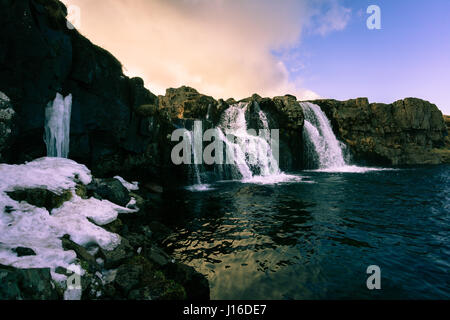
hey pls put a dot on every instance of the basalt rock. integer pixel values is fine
(109, 189)
(27, 284)
(186, 102)
(40, 57)
(406, 132)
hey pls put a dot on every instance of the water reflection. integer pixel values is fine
(315, 240)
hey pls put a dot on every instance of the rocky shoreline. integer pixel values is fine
(137, 268)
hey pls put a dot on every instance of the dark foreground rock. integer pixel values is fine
(27, 284)
(406, 132)
(41, 198)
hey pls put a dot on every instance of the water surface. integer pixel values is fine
(313, 236)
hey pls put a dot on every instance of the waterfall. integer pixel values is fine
(322, 147)
(189, 137)
(57, 126)
(251, 155)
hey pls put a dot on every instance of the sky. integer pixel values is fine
(308, 48)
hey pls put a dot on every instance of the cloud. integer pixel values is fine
(223, 48)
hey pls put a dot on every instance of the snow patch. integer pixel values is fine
(24, 225)
(133, 186)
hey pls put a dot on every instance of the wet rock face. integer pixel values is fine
(406, 132)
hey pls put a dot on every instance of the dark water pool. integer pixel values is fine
(315, 239)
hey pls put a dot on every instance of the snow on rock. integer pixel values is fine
(4, 97)
(130, 186)
(24, 225)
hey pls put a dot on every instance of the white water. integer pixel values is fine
(252, 154)
(319, 133)
(194, 138)
(189, 136)
(57, 126)
(322, 145)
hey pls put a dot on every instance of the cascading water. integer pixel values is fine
(322, 146)
(189, 137)
(57, 126)
(251, 154)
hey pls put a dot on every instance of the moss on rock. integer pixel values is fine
(41, 198)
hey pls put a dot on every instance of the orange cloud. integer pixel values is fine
(220, 47)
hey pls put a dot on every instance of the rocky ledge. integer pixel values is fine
(407, 132)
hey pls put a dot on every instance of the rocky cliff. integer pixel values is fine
(406, 132)
(39, 57)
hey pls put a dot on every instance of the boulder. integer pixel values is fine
(27, 284)
(109, 189)
(81, 252)
(41, 198)
(195, 284)
(139, 280)
(24, 252)
(119, 255)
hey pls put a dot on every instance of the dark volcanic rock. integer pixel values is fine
(27, 284)
(107, 132)
(139, 280)
(195, 284)
(24, 252)
(81, 252)
(41, 198)
(402, 133)
(109, 189)
(119, 255)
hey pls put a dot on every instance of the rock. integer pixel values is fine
(24, 252)
(139, 280)
(158, 256)
(41, 198)
(444, 153)
(195, 284)
(109, 189)
(7, 115)
(81, 252)
(402, 133)
(186, 102)
(147, 110)
(153, 187)
(115, 227)
(27, 284)
(117, 256)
